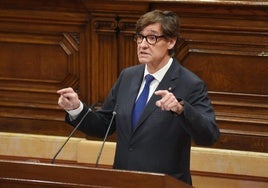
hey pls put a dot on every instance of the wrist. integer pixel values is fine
(76, 112)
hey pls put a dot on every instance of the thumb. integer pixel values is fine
(158, 103)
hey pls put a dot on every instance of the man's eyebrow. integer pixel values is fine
(152, 32)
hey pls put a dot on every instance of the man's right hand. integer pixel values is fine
(68, 99)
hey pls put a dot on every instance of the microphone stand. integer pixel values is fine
(105, 137)
(76, 127)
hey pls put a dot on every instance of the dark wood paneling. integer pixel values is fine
(40, 53)
(85, 44)
(227, 48)
(103, 55)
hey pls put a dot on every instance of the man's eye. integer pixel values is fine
(151, 37)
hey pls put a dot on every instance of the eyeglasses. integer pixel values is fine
(150, 39)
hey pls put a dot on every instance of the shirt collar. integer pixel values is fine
(159, 75)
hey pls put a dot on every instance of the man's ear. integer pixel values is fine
(172, 43)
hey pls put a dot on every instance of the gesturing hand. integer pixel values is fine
(168, 102)
(68, 99)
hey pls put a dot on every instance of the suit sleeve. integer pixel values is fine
(96, 123)
(199, 116)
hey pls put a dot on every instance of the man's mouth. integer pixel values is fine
(143, 53)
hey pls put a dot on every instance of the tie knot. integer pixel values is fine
(149, 78)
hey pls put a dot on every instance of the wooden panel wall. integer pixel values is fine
(47, 45)
(40, 52)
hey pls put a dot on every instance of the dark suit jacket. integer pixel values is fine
(162, 140)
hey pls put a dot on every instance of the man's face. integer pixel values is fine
(154, 54)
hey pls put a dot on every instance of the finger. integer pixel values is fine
(162, 93)
(70, 96)
(173, 106)
(167, 99)
(168, 102)
(158, 103)
(65, 103)
(65, 90)
(62, 102)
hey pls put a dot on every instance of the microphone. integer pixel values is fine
(76, 127)
(106, 134)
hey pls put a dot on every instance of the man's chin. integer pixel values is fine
(143, 61)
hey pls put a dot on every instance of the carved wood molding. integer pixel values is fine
(37, 78)
(239, 96)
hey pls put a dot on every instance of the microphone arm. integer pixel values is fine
(106, 134)
(76, 127)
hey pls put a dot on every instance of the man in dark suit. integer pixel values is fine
(157, 137)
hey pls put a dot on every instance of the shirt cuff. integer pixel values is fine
(74, 113)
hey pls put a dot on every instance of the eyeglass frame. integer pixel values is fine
(146, 38)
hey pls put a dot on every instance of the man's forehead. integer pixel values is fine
(153, 29)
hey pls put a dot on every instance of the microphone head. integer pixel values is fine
(115, 109)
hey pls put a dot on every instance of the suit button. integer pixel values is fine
(130, 149)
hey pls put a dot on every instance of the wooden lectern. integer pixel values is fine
(20, 174)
